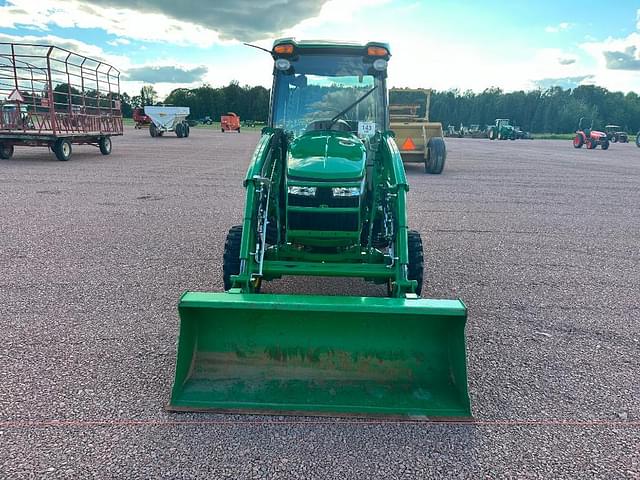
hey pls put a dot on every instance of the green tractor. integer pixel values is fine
(326, 196)
(502, 130)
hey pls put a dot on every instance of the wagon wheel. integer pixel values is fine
(62, 149)
(6, 151)
(105, 145)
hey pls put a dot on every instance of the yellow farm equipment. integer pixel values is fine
(419, 140)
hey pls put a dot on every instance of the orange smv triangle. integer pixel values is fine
(408, 144)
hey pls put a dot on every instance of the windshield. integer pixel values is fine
(319, 87)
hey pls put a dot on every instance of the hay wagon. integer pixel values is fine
(52, 97)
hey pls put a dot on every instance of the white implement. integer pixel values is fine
(166, 118)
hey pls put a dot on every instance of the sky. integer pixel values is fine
(455, 44)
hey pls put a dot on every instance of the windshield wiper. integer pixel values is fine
(335, 119)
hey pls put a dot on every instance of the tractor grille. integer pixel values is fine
(337, 222)
(324, 196)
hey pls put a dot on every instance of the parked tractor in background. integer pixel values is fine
(586, 135)
(451, 131)
(419, 140)
(167, 118)
(521, 134)
(326, 196)
(141, 120)
(615, 134)
(501, 130)
(230, 123)
(475, 131)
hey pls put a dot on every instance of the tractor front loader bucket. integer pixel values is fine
(320, 355)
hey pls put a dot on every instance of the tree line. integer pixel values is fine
(250, 103)
(555, 110)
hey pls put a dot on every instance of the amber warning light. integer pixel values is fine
(286, 49)
(377, 52)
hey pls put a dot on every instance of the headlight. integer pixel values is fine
(346, 191)
(305, 191)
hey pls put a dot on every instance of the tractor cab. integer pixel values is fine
(330, 101)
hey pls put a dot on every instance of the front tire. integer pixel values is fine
(231, 256)
(605, 145)
(436, 156)
(578, 141)
(62, 149)
(105, 145)
(416, 259)
(6, 151)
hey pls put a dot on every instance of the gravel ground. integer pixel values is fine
(539, 239)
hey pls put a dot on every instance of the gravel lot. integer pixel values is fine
(539, 239)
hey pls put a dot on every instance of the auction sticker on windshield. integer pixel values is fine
(366, 129)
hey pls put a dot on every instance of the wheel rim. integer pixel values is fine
(66, 149)
(107, 144)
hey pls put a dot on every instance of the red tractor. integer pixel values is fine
(230, 123)
(589, 137)
(140, 118)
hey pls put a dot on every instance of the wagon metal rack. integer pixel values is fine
(52, 97)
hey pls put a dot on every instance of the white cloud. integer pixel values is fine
(558, 28)
(121, 22)
(120, 62)
(603, 51)
(118, 41)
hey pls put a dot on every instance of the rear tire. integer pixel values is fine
(62, 149)
(436, 156)
(6, 151)
(231, 256)
(416, 259)
(605, 145)
(105, 145)
(614, 138)
(492, 134)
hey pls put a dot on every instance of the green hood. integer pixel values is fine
(326, 156)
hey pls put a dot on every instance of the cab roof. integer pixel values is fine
(330, 46)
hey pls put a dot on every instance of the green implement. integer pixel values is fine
(323, 355)
(326, 196)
